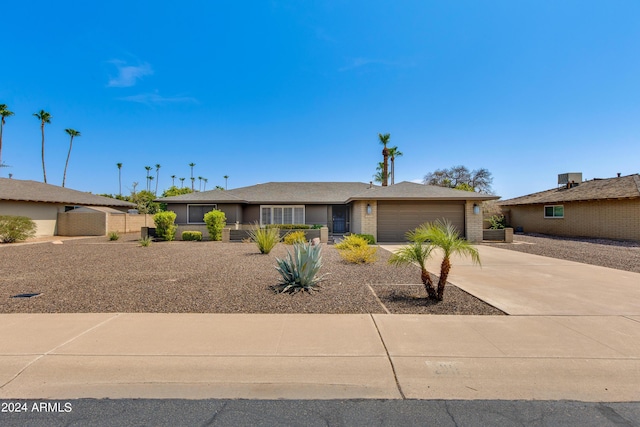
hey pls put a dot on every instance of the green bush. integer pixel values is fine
(300, 271)
(194, 236)
(114, 235)
(317, 226)
(289, 226)
(368, 237)
(295, 237)
(215, 220)
(355, 249)
(497, 222)
(165, 227)
(265, 238)
(350, 241)
(16, 228)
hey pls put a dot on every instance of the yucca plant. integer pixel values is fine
(300, 271)
(114, 235)
(265, 238)
(145, 241)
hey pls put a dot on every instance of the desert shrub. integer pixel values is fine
(165, 227)
(289, 226)
(352, 240)
(368, 237)
(16, 228)
(215, 220)
(265, 238)
(300, 271)
(317, 226)
(497, 222)
(359, 254)
(145, 241)
(295, 237)
(114, 236)
(194, 236)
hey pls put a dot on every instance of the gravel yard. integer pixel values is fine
(97, 275)
(606, 253)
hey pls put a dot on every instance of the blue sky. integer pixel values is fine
(299, 90)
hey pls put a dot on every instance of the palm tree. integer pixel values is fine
(182, 182)
(443, 235)
(393, 153)
(157, 177)
(73, 133)
(378, 175)
(418, 252)
(119, 165)
(226, 177)
(173, 180)
(200, 183)
(44, 118)
(205, 183)
(384, 140)
(148, 168)
(193, 180)
(4, 113)
(134, 185)
(191, 165)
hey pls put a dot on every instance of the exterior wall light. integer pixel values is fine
(476, 209)
(368, 209)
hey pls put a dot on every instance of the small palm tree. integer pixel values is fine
(418, 252)
(393, 153)
(182, 182)
(173, 180)
(384, 140)
(44, 118)
(193, 180)
(148, 168)
(443, 235)
(119, 165)
(4, 113)
(72, 133)
(205, 183)
(378, 175)
(226, 178)
(200, 183)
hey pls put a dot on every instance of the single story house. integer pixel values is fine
(386, 212)
(600, 208)
(49, 206)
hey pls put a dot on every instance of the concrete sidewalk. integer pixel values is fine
(63, 356)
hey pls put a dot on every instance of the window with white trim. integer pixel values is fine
(195, 213)
(554, 211)
(278, 214)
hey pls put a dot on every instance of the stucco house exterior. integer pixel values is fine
(600, 208)
(50, 207)
(385, 212)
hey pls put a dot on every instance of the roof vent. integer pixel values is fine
(571, 177)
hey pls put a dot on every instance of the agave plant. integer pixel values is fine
(300, 271)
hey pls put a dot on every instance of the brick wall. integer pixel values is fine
(610, 219)
(364, 223)
(127, 223)
(473, 223)
(82, 224)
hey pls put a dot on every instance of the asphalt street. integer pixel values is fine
(172, 412)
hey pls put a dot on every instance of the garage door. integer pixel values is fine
(396, 218)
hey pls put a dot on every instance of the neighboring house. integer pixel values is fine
(46, 205)
(600, 208)
(385, 212)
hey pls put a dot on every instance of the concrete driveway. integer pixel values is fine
(525, 284)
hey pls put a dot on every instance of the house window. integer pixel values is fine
(281, 215)
(554, 211)
(195, 213)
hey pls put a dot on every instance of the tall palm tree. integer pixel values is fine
(384, 140)
(205, 183)
(119, 165)
(193, 180)
(200, 183)
(191, 165)
(226, 178)
(4, 113)
(157, 177)
(148, 168)
(443, 235)
(72, 133)
(182, 182)
(173, 180)
(378, 175)
(418, 252)
(44, 118)
(393, 153)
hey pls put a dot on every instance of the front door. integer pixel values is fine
(339, 219)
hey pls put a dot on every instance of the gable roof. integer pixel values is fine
(624, 187)
(324, 193)
(32, 191)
